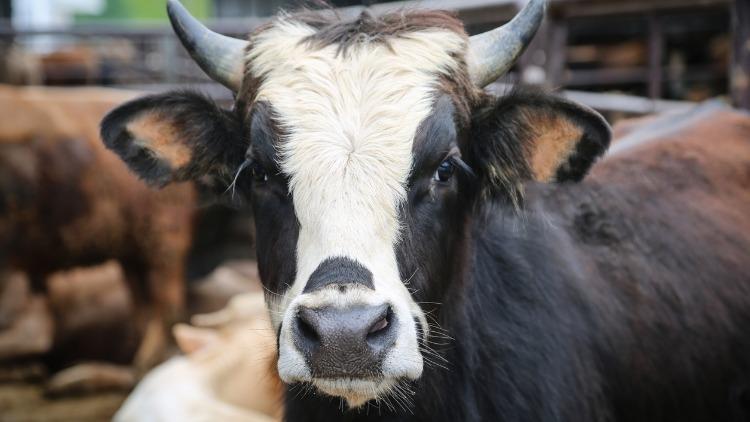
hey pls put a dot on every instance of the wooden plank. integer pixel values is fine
(591, 8)
(472, 12)
(740, 68)
(635, 75)
(626, 103)
(611, 102)
(599, 101)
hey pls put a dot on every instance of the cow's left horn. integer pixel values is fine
(491, 54)
(221, 57)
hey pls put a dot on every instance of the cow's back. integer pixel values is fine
(66, 200)
(660, 231)
(676, 196)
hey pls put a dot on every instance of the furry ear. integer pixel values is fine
(529, 135)
(174, 137)
(192, 339)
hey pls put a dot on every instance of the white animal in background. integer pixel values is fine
(228, 372)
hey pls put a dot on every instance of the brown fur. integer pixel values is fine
(66, 201)
(663, 238)
(556, 138)
(369, 29)
(160, 134)
(703, 166)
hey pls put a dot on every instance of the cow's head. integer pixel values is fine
(364, 146)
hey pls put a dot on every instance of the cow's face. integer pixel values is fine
(340, 160)
(363, 149)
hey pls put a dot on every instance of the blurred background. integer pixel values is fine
(677, 50)
(95, 267)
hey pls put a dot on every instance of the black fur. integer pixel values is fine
(540, 328)
(333, 30)
(585, 305)
(504, 130)
(272, 204)
(339, 271)
(213, 134)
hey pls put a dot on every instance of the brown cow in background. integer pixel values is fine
(65, 202)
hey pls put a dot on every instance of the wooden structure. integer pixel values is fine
(657, 49)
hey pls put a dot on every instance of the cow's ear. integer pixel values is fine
(174, 137)
(529, 135)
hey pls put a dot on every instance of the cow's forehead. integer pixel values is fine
(349, 118)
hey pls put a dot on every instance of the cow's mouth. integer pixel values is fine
(356, 391)
(357, 345)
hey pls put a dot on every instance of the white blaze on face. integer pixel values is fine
(349, 122)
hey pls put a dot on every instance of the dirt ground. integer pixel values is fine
(25, 402)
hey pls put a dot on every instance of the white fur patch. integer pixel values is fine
(350, 121)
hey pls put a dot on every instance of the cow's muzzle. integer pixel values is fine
(350, 333)
(345, 343)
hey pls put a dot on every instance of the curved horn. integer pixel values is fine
(491, 54)
(221, 57)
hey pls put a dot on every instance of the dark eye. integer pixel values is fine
(444, 172)
(259, 173)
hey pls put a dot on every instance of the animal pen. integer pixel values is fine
(667, 51)
(622, 58)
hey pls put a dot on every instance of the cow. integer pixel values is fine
(431, 252)
(66, 202)
(226, 374)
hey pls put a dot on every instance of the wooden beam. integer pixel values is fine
(626, 103)
(472, 12)
(630, 104)
(581, 8)
(740, 68)
(600, 101)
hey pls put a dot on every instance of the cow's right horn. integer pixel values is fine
(492, 53)
(221, 57)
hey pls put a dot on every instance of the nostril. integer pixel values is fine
(306, 329)
(381, 324)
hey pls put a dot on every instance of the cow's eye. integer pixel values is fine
(259, 173)
(444, 172)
